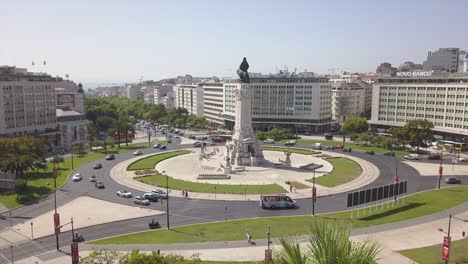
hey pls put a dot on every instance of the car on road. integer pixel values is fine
(99, 185)
(152, 197)
(77, 177)
(92, 178)
(124, 193)
(191, 136)
(161, 193)
(110, 157)
(97, 166)
(370, 152)
(169, 136)
(330, 147)
(141, 200)
(339, 147)
(269, 141)
(412, 156)
(434, 157)
(169, 141)
(389, 153)
(290, 143)
(452, 181)
(176, 136)
(156, 146)
(463, 159)
(347, 149)
(138, 152)
(210, 142)
(317, 146)
(163, 147)
(197, 144)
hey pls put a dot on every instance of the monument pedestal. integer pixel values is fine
(245, 149)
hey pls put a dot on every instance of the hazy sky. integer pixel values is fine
(120, 41)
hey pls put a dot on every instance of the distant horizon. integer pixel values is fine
(122, 42)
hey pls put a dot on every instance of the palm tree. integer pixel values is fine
(328, 244)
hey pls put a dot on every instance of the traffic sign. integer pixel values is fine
(446, 249)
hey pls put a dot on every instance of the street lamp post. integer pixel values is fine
(167, 202)
(149, 137)
(314, 193)
(268, 237)
(448, 232)
(440, 167)
(72, 152)
(54, 174)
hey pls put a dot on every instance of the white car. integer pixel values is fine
(176, 136)
(269, 141)
(124, 193)
(138, 152)
(161, 193)
(77, 177)
(141, 200)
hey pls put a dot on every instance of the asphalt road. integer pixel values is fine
(184, 211)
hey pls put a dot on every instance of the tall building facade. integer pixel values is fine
(133, 92)
(161, 91)
(190, 97)
(348, 100)
(438, 97)
(27, 103)
(302, 104)
(70, 95)
(445, 59)
(213, 102)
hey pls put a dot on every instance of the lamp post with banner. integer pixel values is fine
(56, 215)
(314, 194)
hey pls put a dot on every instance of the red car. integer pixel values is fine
(217, 140)
(339, 147)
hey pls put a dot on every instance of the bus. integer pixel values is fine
(451, 146)
(272, 201)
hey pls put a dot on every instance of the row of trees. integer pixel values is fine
(116, 116)
(416, 133)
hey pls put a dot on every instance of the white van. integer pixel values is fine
(272, 201)
(269, 141)
(412, 156)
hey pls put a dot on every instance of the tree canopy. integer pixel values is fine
(355, 126)
(416, 133)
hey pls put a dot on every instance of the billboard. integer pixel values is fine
(376, 193)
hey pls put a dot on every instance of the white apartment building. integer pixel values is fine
(213, 102)
(438, 97)
(348, 100)
(292, 101)
(190, 97)
(168, 100)
(27, 103)
(133, 92)
(161, 91)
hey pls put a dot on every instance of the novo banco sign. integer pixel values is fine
(414, 74)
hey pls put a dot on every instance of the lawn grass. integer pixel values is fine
(433, 254)
(176, 184)
(292, 150)
(414, 206)
(353, 146)
(344, 170)
(151, 161)
(43, 183)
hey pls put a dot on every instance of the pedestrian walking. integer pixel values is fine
(183, 193)
(290, 188)
(186, 193)
(249, 238)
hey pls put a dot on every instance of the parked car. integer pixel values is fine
(99, 185)
(92, 178)
(124, 193)
(191, 136)
(434, 157)
(169, 136)
(156, 146)
(339, 147)
(269, 141)
(141, 200)
(77, 177)
(347, 149)
(463, 159)
(330, 147)
(152, 197)
(97, 166)
(110, 157)
(389, 153)
(169, 141)
(370, 152)
(452, 181)
(218, 139)
(161, 193)
(163, 147)
(138, 152)
(412, 156)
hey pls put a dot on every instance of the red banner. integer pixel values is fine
(446, 249)
(441, 169)
(57, 223)
(54, 173)
(74, 253)
(314, 193)
(268, 255)
(396, 179)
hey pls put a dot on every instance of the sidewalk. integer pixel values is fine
(369, 174)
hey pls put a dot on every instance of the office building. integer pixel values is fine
(445, 59)
(190, 97)
(27, 103)
(348, 100)
(438, 97)
(161, 91)
(168, 100)
(73, 127)
(300, 103)
(213, 102)
(133, 92)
